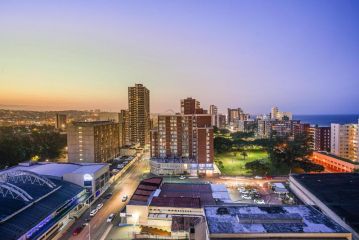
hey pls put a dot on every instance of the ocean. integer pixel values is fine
(326, 120)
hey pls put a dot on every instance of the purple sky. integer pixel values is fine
(302, 56)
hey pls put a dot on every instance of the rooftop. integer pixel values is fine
(338, 191)
(183, 223)
(176, 202)
(337, 157)
(236, 219)
(58, 169)
(145, 191)
(189, 190)
(18, 216)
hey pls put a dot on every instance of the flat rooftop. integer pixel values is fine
(237, 219)
(338, 191)
(203, 192)
(339, 158)
(58, 169)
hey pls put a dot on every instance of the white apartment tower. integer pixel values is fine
(344, 140)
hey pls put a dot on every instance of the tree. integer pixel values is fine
(220, 165)
(21, 143)
(222, 144)
(258, 167)
(244, 154)
(308, 166)
(287, 151)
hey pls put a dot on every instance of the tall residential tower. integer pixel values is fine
(139, 114)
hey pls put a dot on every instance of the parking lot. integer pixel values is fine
(259, 194)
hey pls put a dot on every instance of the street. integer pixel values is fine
(98, 226)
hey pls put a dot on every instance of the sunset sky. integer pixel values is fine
(302, 56)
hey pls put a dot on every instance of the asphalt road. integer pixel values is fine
(98, 226)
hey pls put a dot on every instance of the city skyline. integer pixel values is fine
(301, 57)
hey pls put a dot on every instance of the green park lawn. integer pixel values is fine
(235, 165)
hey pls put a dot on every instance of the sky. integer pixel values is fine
(299, 55)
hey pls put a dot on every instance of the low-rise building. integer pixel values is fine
(333, 163)
(93, 177)
(335, 194)
(37, 201)
(268, 222)
(163, 206)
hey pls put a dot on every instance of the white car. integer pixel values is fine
(110, 218)
(258, 177)
(99, 206)
(182, 177)
(93, 212)
(124, 198)
(259, 201)
(247, 197)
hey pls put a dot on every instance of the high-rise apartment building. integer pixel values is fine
(264, 128)
(319, 138)
(213, 111)
(182, 144)
(344, 141)
(96, 141)
(277, 115)
(139, 114)
(233, 115)
(124, 121)
(60, 121)
(221, 121)
(191, 106)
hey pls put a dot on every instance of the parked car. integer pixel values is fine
(99, 206)
(110, 218)
(77, 231)
(247, 197)
(258, 177)
(259, 201)
(124, 198)
(182, 177)
(108, 196)
(93, 212)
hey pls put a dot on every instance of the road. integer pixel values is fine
(98, 226)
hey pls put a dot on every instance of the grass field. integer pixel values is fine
(235, 165)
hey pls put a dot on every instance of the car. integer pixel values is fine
(85, 224)
(124, 198)
(247, 197)
(268, 178)
(108, 196)
(259, 201)
(110, 218)
(258, 177)
(182, 177)
(77, 231)
(99, 206)
(93, 212)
